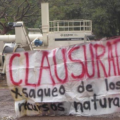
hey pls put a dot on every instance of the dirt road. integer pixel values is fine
(7, 110)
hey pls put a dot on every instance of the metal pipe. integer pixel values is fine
(45, 17)
(11, 38)
(7, 38)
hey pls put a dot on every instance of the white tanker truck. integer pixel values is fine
(54, 34)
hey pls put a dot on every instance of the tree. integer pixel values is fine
(65, 9)
(105, 16)
(18, 10)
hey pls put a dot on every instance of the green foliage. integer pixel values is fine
(104, 14)
(18, 10)
(65, 9)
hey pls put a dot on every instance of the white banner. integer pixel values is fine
(82, 79)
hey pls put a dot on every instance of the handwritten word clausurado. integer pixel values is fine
(99, 52)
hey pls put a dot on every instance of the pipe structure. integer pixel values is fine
(7, 38)
(45, 17)
(11, 38)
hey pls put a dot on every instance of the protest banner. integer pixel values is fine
(82, 79)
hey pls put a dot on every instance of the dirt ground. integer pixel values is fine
(7, 109)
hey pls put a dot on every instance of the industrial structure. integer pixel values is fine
(54, 34)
